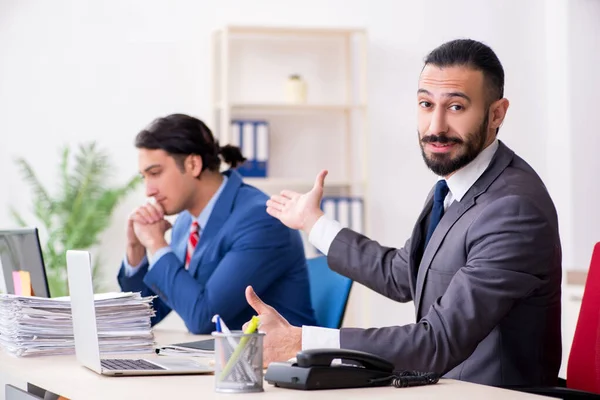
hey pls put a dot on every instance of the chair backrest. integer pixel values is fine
(583, 368)
(329, 293)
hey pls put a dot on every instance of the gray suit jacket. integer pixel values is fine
(487, 289)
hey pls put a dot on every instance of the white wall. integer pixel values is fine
(73, 71)
(584, 58)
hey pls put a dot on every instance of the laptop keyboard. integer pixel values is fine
(125, 364)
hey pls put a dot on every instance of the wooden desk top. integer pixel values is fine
(63, 375)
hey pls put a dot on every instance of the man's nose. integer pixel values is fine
(150, 190)
(438, 124)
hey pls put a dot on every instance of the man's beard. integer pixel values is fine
(442, 164)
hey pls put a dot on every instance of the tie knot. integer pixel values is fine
(441, 190)
(195, 226)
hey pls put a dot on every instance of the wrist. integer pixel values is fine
(155, 245)
(311, 220)
(296, 341)
(135, 247)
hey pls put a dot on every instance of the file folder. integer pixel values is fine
(347, 210)
(252, 136)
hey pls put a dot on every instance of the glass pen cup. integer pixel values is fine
(238, 362)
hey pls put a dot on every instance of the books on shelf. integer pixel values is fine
(252, 137)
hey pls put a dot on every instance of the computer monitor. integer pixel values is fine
(20, 251)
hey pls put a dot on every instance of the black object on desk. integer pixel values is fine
(205, 346)
(314, 370)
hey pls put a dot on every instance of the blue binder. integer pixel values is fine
(252, 136)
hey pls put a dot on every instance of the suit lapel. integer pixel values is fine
(499, 162)
(218, 217)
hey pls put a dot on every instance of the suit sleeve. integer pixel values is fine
(509, 246)
(258, 256)
(382, 269)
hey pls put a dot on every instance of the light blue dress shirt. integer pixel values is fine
(202, 221)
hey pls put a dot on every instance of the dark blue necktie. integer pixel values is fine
(441, 190)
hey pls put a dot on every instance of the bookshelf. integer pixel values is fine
(328, 130)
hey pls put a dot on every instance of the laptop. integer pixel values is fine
(20, 250)
(85, 331)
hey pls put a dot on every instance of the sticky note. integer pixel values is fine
(22, 283)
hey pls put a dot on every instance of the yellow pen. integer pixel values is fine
(251, 328)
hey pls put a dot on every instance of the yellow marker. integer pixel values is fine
(252, 327)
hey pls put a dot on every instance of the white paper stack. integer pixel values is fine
(36, 326)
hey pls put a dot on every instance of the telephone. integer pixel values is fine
(313, 370)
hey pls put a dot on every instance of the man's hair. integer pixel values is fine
(181, 135)
(475, 55)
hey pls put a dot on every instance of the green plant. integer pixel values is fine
(79, 210)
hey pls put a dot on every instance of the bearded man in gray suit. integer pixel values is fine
(483, 263)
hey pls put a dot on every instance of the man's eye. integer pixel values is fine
(425, 104)
(456, 107)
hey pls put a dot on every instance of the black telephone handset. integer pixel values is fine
(314, 369)
(323, 358)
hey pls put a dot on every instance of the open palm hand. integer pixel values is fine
(298, 211)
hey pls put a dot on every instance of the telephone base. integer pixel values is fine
(291, 376)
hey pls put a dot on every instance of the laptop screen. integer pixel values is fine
(20, 251)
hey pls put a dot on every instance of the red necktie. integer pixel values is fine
(192, 242)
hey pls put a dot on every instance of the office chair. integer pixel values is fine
(583, 367)
(329, 292)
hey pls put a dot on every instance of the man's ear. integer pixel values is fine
(194, 165)
(498, 111)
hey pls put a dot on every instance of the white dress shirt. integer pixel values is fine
(326, 229)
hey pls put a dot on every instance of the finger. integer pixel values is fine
(272, 211)
(320, 180)
(153, 212)
(255, 302)
(279, 199)
(137, 218)
(245, 326)
(275, 205)
(157, 208)
(289, 194)
(144, 215)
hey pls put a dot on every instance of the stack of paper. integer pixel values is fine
(31, 326)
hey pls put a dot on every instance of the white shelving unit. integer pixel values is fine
(329, 131)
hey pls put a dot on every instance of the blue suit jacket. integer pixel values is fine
(241, 245)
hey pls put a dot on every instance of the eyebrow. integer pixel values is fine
(151, 167)
(450, 94)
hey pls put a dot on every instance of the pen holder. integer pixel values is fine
(238, 362)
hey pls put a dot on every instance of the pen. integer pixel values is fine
(217, 320)
(252, 327)
(222, 327)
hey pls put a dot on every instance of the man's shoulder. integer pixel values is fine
(250, 202)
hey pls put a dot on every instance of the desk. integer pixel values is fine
(63, 375)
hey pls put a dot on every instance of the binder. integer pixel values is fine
(347, 210)
(252, 136)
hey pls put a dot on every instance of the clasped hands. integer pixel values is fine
(146, 227)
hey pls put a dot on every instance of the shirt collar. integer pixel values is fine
(461, 181)
(205, 213)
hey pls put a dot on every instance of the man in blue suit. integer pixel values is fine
(222, 240)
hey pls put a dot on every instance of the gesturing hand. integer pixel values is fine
(299, 211)
(282, 340)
